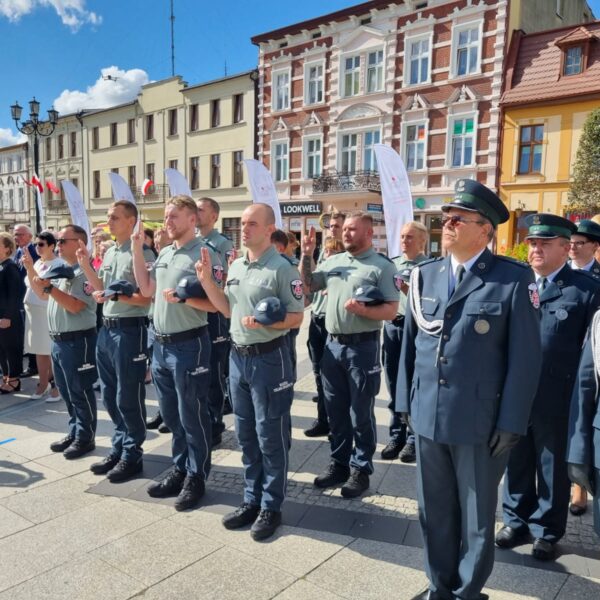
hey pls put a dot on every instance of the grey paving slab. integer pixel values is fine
(320, 518)
(524, 582)
(379, 528)
(6, 456)
(413, 537)
(11, 522)
(50, 501)
(579, 588)
(154, 552)
(127, 488)
(87, 579)
(367, 569)
(226, 574)
(303, 590)
(57, 461)
(400, 480)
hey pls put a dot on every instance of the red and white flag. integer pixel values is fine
(148, 183)
(52, 187)
(27, 183)
(37, 183)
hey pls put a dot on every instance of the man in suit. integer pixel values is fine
(468, 371)
(536, 486)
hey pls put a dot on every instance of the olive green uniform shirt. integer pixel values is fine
(341, 275)
(319, 302)
(250, 282)
(223, 245)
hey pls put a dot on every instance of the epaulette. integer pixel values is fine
(225, 236)
(429, 261)
(588, 275)
(211, 246)
(512, 261)
(293, 261)
(385, 256)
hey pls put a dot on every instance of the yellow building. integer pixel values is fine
(552, 84)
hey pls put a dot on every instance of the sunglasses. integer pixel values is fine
(455, 220)
(40, 244)
(61, 241)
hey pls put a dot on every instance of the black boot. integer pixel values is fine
(333, 475)
(356, 484)
(392, 450)
(170, 485)
(154, 422)
(192, 491)
(266, 524)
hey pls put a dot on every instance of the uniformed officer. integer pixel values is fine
(413, 239)
(468, 371)
(218, 327)
(260, 369)
(317, 333)
(536, 486)
(72, 327)
(181, 361)
(583, 454)
(351, 365)
(122, 346)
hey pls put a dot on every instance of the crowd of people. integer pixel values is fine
(481, 356)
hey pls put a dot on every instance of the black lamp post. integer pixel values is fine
(33, 126)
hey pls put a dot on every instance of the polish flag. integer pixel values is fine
(148, 183)
(52, 187)
(37, 183)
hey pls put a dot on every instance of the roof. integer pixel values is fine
(339, 15)
(220, 80)
(535, 61)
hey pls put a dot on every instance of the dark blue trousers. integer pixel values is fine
(351, 379)
(262, 388)
(181, 373)
(218, 331)
(74, 367)
(121, 356)
(392, 344)
(317, 338)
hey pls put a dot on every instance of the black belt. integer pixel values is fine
(398, 321)
(256, 349)
(118, 322)
(320, 318)
(71, 336)
(182, 336)
(354, 338)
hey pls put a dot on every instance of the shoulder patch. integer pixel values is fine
(297, 288)
(87, 288)
(429, 261)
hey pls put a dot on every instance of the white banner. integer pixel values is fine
(77, 209)
(178, 184)
(395, 193)
(122, 191)
(262, 187)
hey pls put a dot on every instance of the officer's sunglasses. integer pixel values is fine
(455, 220)
(61, 241)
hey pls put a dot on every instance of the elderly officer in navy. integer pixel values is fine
(351, 365)
(181, 359)
(122, 346)
(218, 327)
(468, 372)
(413, 239)
(260, 368)
(72, 327)
(583, 454)
(536, 486)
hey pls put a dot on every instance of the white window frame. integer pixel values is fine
(276, 159)
(408, 62)
(355, 148)
(405, 142)
(456, 31)
(379, 69)
(21, 199)
(306, 155)
(371, 149)
(450, 140)
(275, 98)
(307, 67)
(355, 74)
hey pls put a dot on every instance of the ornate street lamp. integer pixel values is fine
(33, 126)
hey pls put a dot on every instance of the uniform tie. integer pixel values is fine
(542, 284)
(460, 273)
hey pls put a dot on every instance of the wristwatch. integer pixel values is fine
(48, 288)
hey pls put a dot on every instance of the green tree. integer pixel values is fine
(584, 194)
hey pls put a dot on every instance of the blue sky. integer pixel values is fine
(55, 45)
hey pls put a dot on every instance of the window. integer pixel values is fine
(114, 140)
(314, 84)
(48, 149)
(232, 228)
(194, 117)
(11, 200)
(173, 164)
(19, 163)
(238, 168)
(467, 51)
(463, 141)
(149, 127)
(313, 158)
(415, 147)
(95, 138)
(130, 131)
(530, 149)
(418, 65)
(351, 76)
(280, 152)
(215, 113)
(194, 172)
(573, 61)
(238, 108)
(150, 171)
(115, 170)
(370, 138)
(73, 144)
(281, 90)
(21, 200)
(131, 176)
(349, 147)
(61, 146)
(172, 121)
(96, 184)
(375, 71)
(215, 170)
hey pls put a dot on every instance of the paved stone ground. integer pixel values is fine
(65, 533)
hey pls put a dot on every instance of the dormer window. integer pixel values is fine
(573, 60)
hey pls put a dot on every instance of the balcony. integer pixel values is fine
(158, 194)
(336, 182)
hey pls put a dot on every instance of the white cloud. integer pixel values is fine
(72, 13)
(123, 87)
(9, 138)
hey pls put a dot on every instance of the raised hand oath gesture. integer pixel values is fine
(204, 267)
(137, 238)
(309, 242)
(83, 255)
